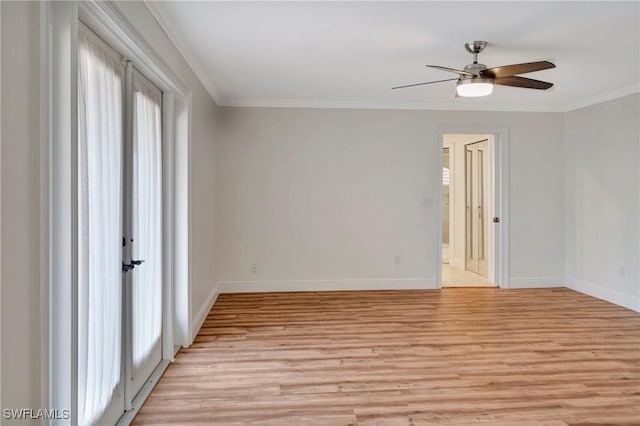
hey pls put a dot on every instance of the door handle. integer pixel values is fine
(126, 267)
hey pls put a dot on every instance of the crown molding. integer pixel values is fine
(289, 103)
(609, 96)
(182, 47)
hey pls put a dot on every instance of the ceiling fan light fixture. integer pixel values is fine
(474, 87)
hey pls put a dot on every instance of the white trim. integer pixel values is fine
(203, 312)
(144, 393)
(603, 293)
(58, 122)
(604, 97)
(182, 212)
(326, 285)
(437, 205)
(346, 104)
(44, 394)
(500, 252)
(493, 203)
(45, 264)
(501, 207)
(108, 21)
(536, 282)
(430, 106)
(182, 47)
(168, 224)
(189, 221)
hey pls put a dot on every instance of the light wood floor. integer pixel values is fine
(435, 357)
(454, 277)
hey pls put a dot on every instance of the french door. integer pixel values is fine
(143, 223)
(476, 205)
(119, 232)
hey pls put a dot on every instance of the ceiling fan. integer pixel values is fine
(478, 80)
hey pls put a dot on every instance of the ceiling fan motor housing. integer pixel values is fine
(474, 68)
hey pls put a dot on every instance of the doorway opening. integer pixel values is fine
(468, 212)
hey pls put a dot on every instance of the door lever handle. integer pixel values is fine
(126, 267)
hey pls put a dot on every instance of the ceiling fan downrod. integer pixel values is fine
(475, 47)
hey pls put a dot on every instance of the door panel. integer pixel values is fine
(446, 179)
(99, 316)
(483, 203)
(146, 283)
(470, 246)
(477, 204)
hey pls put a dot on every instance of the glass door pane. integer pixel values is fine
(100, 116)
(147, 282)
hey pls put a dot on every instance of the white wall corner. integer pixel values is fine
(327, 285)
(536, 282)
(202, 313)
(603, 293)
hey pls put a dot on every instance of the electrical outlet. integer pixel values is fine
(397, 259)
(622, 272)
(254, 268)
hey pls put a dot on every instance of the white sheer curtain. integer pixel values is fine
(147, 224)
(100, 96)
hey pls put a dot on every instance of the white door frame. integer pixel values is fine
(500, 188)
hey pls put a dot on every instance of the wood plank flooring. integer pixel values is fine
(454, 277)
(456, 356)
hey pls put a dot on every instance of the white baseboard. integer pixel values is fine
(536, 282)
(199, 318)
(326, 285)
(599, 292)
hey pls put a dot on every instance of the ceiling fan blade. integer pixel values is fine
(527, 83)
(453, 70)
(509, 70)
(420, 84)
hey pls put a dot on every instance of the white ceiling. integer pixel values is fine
(350, 54)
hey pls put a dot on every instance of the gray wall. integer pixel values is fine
(321, 194)
(20, 156)
(602, 148)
